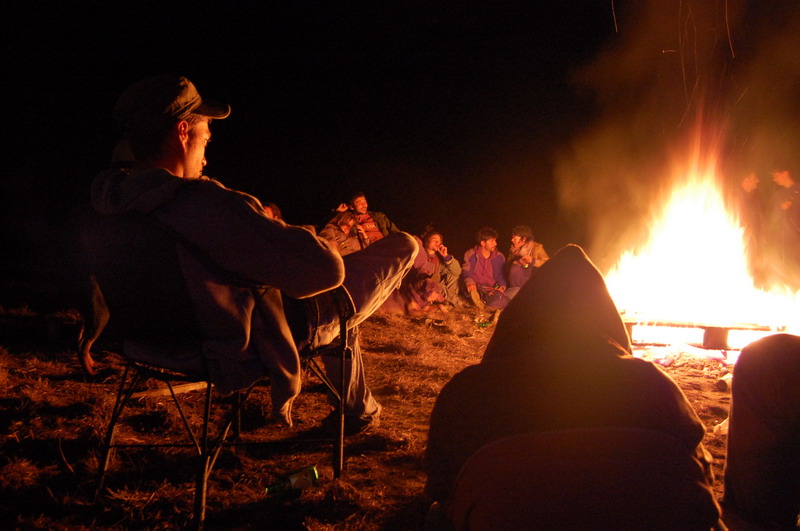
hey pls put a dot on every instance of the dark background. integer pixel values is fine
(455, 114)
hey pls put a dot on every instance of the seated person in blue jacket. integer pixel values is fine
(483, 272)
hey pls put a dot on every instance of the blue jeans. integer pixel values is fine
(371, 275)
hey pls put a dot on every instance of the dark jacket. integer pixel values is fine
(385, 225)
(559, 359)
(244, 335)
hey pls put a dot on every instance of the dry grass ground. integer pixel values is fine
(52, 421)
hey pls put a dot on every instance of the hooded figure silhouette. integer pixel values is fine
(560, 362)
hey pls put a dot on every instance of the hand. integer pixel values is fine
(471, 288)
(443, 250)
(501, 289)
(343, 207)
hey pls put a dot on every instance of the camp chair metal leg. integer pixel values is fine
(124, 393)
(178, 406)
(338, 457)
(234, 418)
(339, 390)
(207, 450)
(204, 460)
(338, 448)
(237, 419)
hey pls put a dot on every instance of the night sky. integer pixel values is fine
(455, 114)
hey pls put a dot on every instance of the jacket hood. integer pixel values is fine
(116, 191)
(564, 310)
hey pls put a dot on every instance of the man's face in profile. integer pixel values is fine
(517, 240)
(195, 157)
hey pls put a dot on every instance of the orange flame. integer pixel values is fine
(693, 269)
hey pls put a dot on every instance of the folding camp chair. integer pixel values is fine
(136, 266)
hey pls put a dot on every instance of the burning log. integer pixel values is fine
(715, 337)
(710, 285)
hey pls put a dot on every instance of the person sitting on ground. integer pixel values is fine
(343, 233)
(560, 361)
(748, 205)
(435, 272)
(372, 226)
(431, 283)
(229, 248)
(785, 228)
(762, 468)
(525, 253)
(483, 273)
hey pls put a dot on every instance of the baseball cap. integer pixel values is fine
(161, 100)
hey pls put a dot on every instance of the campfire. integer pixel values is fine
(689, 282)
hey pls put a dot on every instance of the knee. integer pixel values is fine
(403, 245)
(407, 242)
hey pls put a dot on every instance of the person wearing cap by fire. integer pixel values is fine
(223, 234)
(525, 253)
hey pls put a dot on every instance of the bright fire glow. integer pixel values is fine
(693, 269)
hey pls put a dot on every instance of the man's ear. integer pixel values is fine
(182, 130)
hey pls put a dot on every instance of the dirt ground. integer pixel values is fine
(52, 421)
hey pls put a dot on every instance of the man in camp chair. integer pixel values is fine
(245, 273)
